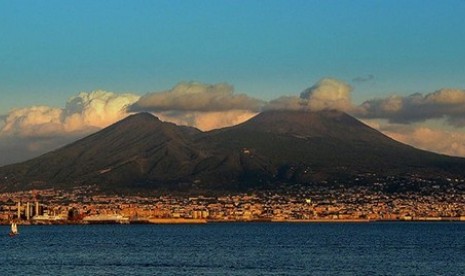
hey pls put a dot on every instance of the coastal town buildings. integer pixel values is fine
(336, 202)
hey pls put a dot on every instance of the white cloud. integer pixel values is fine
(444, 103)
(431, 138)
(86, 111)
(207, 120)
(197, 97)
(326, 94)
(200, 105)
(33, 121)
(287, 103)
(33, 130)
(96, 109)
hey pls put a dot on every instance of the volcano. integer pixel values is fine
(141, 152)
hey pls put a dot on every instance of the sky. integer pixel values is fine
(68, 68)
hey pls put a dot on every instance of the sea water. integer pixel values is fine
(236, 249)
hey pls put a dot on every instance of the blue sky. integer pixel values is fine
(119, 51)
(51, 50)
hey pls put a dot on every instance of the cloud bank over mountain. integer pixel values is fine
(197, 97)
(446, 141)
(199, 105)
(327, 93)
(29, 131)
(26, 132)
(84, 112)
(448, 104)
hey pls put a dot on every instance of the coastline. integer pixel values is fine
(215, 221)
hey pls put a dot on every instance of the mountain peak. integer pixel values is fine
(325, 123)
(140, 118)
(298, 116)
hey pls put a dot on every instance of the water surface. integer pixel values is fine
(236, 249)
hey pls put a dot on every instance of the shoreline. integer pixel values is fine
(210, 221)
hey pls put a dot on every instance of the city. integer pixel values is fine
(441, 199)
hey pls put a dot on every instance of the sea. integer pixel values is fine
(379, 248)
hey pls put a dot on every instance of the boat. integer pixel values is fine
(14, 229)
(106, 219)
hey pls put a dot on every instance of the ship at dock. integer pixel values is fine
(106, 219)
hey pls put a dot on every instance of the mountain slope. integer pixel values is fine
(327, 141)
(136, 149)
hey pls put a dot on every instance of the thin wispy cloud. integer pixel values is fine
(362, 79)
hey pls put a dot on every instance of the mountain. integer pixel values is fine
(143, 153)
(299, 146)
(140, 148)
